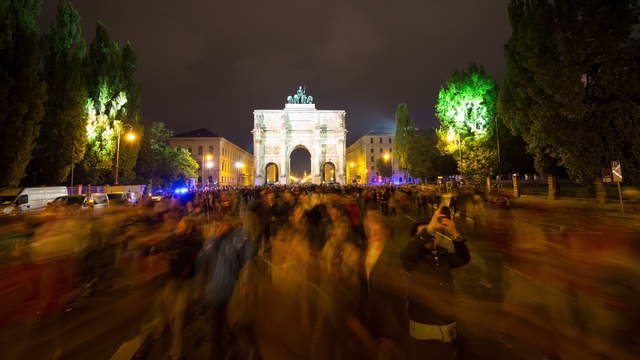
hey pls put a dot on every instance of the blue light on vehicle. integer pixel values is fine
(182, 190)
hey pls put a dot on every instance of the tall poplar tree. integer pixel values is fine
(63, 137)
(571, 84)
(22, 88)
(403, 135)
(130, 113)
(106, 100)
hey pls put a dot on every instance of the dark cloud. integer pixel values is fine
(209, 63)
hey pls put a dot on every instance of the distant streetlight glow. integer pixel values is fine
(352, 164)
(131, 136)
(386, 156)
(239, 164)
(209, 164)
(209, 157)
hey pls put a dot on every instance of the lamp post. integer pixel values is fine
(386, 158)
(239, 166)
(451, 136)
(350, 172)
(131, 136)
(206, 164)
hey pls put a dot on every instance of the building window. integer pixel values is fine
(371, 150)
(389, 150)
(371, 140)
(211, 149)
(372, 159)
(381, 150)
(389, 140)
(190, 151)
(200, 150)
(380, 141)
(373, 168)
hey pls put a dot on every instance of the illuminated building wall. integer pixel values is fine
(363, 154)
(231, 165)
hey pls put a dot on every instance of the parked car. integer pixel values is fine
(27, 199)
(122, 198)
(95, 201)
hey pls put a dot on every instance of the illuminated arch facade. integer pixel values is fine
(276, 133)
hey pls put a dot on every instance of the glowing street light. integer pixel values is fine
(451, 136)
(131, 136)
(239, 165)
(207, 162)
(386, 156)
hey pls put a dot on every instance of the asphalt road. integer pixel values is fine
(541, 283)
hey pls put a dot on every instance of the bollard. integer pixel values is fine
(552, 188)
(601, 191)
(516, 185)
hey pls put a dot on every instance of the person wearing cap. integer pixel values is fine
(431, 317)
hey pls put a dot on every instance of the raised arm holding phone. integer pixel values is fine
(431, 322)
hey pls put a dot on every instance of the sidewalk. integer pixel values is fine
(586, 206)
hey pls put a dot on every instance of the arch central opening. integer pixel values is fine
(300, 165)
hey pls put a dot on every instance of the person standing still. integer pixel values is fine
(432, 327)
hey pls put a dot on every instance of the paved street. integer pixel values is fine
(534, 274)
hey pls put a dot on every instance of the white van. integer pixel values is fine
(29, 199)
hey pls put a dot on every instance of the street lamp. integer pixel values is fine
(131, 136)
(208, 164)
(239, 166)
(350, 173)
(451, 136)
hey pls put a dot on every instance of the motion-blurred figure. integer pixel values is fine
(431, 320)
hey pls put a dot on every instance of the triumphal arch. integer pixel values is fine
(277, 133)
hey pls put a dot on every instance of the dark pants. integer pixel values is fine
(431, 349)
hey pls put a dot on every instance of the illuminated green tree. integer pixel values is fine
(466, 108)
(63, 137)
(114, 100)
(22, 88)
(571, 84)
(404, 133)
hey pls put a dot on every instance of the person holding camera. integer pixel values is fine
(431, 318)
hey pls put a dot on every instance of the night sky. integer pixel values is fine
(211, 63)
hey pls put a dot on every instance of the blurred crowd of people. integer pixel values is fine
(288, 272)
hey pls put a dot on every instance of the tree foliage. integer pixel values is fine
(403, 135)
(466, 108)
(425, 160)
(571, 84)
(384, 168)
(63, 138)
(22, 88)
(160, 163)
(113, 102)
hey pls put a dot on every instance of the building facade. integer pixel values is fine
(221, 161)
(277, 133)
(363, 154)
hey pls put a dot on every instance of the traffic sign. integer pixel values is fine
(616, 169)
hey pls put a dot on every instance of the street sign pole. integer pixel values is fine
(620, 195)
(616, 171)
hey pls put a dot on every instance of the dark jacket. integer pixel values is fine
(431, 282)
(182, 251)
